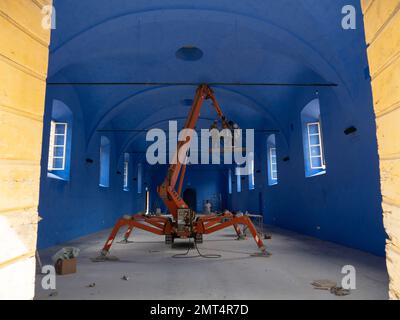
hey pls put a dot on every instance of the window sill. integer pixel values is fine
(316, 174)
(55, 177)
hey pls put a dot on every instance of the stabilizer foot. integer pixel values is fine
(241, 237)
(125, 241)
(104, 256)
(264, 254)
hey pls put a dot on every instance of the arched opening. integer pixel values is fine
(190, 197)
(272, 163)
(251, 175)
(230, 181)
(60, 141)
(126, 172)
(139, 178)
(147, 201)
(288, 73)
(105, 149)
(313, 146)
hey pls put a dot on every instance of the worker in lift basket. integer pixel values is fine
(207, 207)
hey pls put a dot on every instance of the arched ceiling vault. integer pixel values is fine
(170, 101)
(242, 41)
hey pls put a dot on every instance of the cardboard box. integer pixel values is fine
(66, 266)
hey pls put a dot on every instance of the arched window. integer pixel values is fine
(238, 180)
(60, 137)
(147, 202)
(126, 171)
(105, 148)
(229, 181)
(314, 158)
(272, 161)
(251, 172)
(139, 177)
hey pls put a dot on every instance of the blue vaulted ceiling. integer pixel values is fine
(272, 41)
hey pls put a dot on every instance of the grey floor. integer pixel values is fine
(153, 273)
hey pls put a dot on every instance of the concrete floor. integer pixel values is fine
(153, 274)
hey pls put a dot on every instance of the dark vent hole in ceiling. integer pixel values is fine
(189, 53)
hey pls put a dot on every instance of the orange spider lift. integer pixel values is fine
(184, 222)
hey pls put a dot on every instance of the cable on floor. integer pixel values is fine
(207, 256)
(185, 255)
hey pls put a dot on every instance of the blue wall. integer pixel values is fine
(301, 42)
(343, 205)
(327, 206)
(80, 206)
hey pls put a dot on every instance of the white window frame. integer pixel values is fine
(319, 146)
(272, 162)
(238, 180)
(102, 160)
(229, 181)
(126, 175)
(252, 185)
(53, 146)
(147, 207)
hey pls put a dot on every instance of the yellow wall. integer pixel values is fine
(382, 28)
(23, 70)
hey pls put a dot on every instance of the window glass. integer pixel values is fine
(314, 158)
(272, 165)
(105, 148)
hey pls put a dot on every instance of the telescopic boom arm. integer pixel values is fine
(166, 190)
